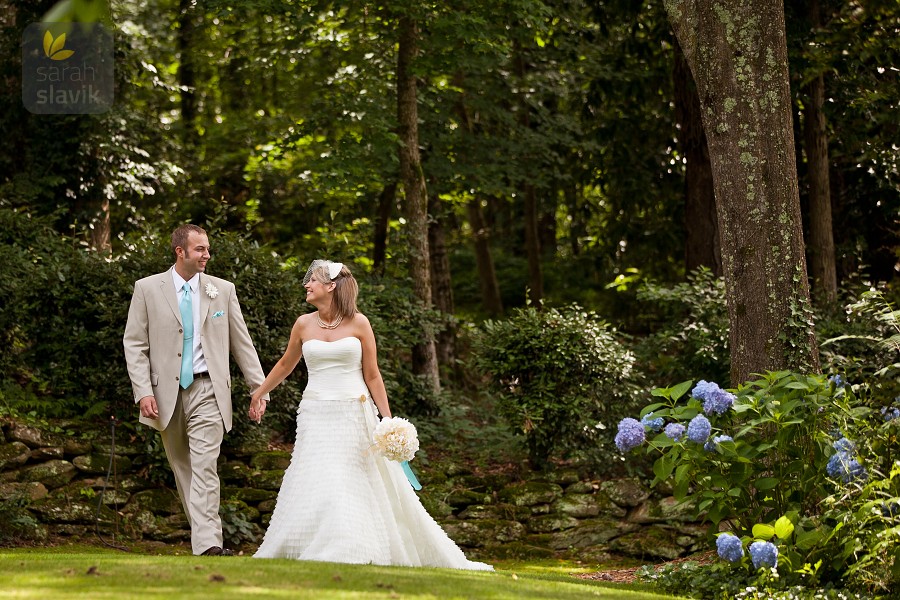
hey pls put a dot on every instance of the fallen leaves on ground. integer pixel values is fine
(630, 575)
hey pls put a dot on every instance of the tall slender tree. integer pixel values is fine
(820, 246)
(415, 194)
(702, 246)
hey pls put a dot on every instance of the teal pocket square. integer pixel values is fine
(218, 313)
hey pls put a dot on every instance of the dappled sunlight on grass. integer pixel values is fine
(78, 572)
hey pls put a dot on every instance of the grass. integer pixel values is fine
(80, 571)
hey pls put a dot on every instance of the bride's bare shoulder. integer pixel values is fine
(303, 322)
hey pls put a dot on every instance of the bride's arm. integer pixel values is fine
(371, 373)
(285, 365)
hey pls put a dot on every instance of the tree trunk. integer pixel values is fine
(441, 288)
(533, 247)
(382, 221)
(484, 261)
(487, 275)
(737, 52)
(531, 207)
(101, 239)
(186, 75)
(702, 247)
(547, 223)
(424, 355)
(821, 234)
(577, 226)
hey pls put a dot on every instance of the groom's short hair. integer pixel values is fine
(181, 233)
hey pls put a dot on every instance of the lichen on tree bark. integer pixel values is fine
(736, 50)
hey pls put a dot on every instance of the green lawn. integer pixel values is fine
(100, 573)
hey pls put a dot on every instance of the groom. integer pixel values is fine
(182, 324)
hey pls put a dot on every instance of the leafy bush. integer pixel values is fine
(723, 581)
(774, 462)
(64, 316)
(237, 526)
(558, 375)
(797, 462)
(689, 324)
(860, 340)
(398, 321)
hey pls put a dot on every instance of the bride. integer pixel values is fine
(340, 501)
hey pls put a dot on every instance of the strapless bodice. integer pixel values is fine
(335, 368)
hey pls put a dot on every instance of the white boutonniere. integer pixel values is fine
(211, 290)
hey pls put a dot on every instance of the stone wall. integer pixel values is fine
(52, 484)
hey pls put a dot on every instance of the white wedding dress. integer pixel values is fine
(340, 501)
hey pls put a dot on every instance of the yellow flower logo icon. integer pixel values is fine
(54, 49)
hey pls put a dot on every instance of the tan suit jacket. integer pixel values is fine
(154, 339)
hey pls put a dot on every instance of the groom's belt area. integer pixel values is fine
(201, 375)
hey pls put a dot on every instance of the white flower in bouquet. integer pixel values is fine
(396, 439)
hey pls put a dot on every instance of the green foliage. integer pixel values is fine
(861, 341)
(811, 467)
(724, 581)
(398, 321)
(470, 428)
(237, 526)
(774, 465)
(689, 323)
(861, 520)
(559, 375)
(67, 306)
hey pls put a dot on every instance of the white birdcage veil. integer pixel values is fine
(332, 268)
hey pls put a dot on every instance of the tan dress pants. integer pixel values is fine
(192, 441)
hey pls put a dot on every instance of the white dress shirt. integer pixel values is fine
(199, 359)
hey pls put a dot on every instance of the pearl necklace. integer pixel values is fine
(325, 325)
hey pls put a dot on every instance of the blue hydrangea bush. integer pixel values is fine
(798, 477)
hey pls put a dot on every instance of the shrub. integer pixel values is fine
(752, 456)
(237, 526)
(558, 375)
(689, 324)
(860, 341)
(67, 306)
(798, 466)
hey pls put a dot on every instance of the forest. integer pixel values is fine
(552, 207)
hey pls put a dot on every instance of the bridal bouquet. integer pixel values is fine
(396, 439)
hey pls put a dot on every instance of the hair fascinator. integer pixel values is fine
(332, 268)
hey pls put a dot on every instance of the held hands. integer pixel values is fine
(257, 409)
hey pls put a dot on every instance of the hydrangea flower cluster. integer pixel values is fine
(729, 547)
(674, 431)
(842, 465)
(890, 413)
(698, 429)
(890, 509)
(763, 554)
(630, 434)
(715, 400)
(712, 444)
(651, 423)
(844, 445)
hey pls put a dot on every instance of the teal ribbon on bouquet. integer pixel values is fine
(411, 476)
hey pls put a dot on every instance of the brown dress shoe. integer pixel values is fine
(217, 551)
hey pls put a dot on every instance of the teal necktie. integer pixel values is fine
(187, 352)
